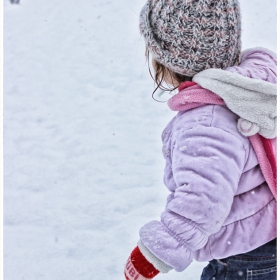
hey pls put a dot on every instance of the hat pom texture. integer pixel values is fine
(189, 36)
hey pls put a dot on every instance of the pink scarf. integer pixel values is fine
(191, 96)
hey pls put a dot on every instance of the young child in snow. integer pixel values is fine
(219, 149)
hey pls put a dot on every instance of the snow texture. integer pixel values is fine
(82, 149)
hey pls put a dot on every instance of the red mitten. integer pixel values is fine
(138, 268)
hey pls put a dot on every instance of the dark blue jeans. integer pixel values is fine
(259, 264)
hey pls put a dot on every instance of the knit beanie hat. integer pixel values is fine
(189, 36)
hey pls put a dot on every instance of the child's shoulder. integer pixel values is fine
(257, 63)
(216, 117)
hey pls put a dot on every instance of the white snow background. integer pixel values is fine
(82, 151)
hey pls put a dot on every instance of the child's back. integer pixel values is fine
(220, 161)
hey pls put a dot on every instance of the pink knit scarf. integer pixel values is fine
(191, 96)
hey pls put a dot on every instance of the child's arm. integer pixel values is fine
(206, 169)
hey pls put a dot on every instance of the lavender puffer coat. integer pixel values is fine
(219, 203)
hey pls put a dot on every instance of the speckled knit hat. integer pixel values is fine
(188, 36)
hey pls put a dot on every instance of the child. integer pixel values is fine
(219, 149)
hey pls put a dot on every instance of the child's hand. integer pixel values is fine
(138, 268)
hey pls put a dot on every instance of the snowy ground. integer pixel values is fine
(82, 150)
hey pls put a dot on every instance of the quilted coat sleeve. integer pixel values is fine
(207, 163)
